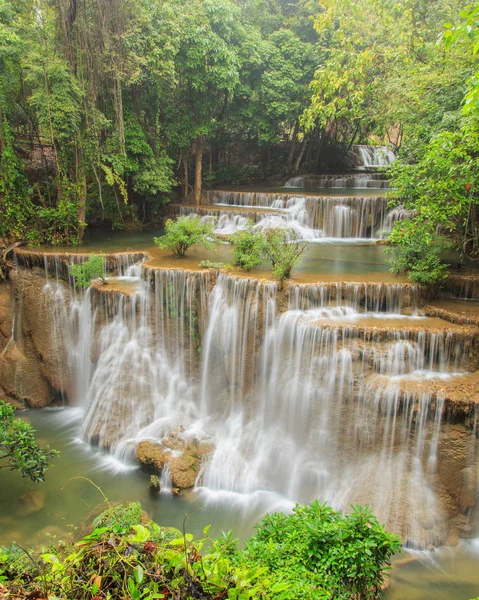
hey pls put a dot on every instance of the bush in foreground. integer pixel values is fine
(315, 553)
(248, 247)
(416, 250)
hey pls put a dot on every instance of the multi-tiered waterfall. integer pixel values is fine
(337, 391)
(310, 217)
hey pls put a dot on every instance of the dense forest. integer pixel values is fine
(110, 108)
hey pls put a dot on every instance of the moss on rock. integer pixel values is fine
(124, 515)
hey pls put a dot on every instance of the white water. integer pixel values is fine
(299, 404)
(359, 181)
(312, 218)
(375, 156)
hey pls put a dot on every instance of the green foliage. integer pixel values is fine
(18, 449)
(416, 250)
(248, 251)
(315, 552)
(283, 250)
(279, 246)
(122, 517)
(185, 232)
(467, 30)
(208, 264)
(16, 208)
(92, 268)
(442, 191)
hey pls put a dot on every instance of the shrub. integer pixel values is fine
(416, 251)
(18, 448)
(248, 251)
(315, 553)
(183, 233)
(283, 250)
(92, 268)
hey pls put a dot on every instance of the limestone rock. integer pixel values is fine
(182, 456)
(155, 486)
(151, 454)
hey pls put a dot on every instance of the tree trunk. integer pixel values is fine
(293, 147)
(198, 167)
(82, 207)
(185, 176)
(297, 164)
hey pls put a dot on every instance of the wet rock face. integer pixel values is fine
(21, 377)
(33, 369)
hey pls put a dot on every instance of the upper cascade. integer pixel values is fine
(313, 218)
(357, 181)
(373, 157)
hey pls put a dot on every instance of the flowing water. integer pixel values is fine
(319, 218)
(374, 156)
(319, 390)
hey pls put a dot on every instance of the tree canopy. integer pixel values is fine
(110, 109)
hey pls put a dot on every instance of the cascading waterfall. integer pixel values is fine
(297, 394)
(308, 217)
(374, 156)
(359, 181)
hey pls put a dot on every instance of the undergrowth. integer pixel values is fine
(313, 553)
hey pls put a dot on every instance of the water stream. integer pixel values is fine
(319, 390)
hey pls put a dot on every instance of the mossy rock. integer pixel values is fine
(165, 534)
(124, 515)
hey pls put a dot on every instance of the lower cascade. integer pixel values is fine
(240, 389)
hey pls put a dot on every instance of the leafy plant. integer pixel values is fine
(283, 249)
(92, 268)
(19, 450)
(440, 188)
(416, 251)
(248, 251)
(122, 516)
(315, 552)
(185, 232)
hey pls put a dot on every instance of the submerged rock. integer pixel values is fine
(31, 502)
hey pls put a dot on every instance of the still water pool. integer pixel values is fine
(66, 500)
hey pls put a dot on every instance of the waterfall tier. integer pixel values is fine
(309, 217)
(372, 181)
(338, 391)
(373, 157)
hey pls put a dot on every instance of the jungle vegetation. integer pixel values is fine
(110, 109)
(314, 553)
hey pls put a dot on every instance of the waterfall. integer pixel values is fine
(359, 181)
(316, 391)
(309, 217)
(374, 156)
